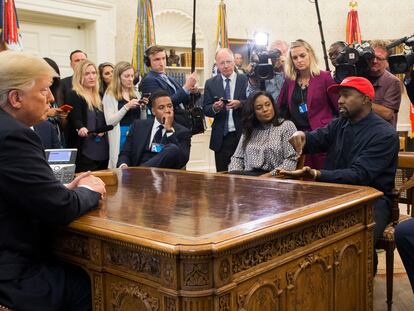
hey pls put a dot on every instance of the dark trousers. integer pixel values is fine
(53, 288)
(84, 164)
(382, 217)
(169, 157)
(223, 156)
(404, 238)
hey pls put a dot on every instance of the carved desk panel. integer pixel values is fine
(176, 240)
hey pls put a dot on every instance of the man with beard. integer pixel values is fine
(361, 147)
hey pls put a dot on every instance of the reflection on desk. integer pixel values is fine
(177, 240)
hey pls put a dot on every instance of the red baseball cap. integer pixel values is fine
(359, 83)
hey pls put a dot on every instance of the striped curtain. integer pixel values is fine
(144, 34)
(221, 37)
(10, 32)
(353, 32)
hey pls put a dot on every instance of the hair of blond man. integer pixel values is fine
(224, 49)
(290, 70)
(380, 44)
(19, 71)
(115, 86)
(92, 99)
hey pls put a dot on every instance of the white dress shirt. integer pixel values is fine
(233, 77)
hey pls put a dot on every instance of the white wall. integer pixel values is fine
(287, 20)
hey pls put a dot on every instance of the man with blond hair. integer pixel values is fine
(32, 201)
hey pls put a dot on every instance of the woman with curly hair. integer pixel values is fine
(264, 145)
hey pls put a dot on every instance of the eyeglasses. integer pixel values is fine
(380, 59)
(225, 62)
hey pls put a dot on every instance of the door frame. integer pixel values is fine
(99, 18)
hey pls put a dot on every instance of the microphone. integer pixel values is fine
(398, 42)
(102, 129)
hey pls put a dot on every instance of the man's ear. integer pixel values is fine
(15, 99)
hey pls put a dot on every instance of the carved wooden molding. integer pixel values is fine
(132, 260)
(170, 304)
(120, 291)
(98, 300)
(73, 244)
(224, 270)
(264, 252)
(224, 302)
(196, 274)
(168, 273)
(261, 290)
(370, 265)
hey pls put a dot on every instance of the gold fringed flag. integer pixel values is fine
(144, 34)
(221, 37)
(9, 23)
(353, 32)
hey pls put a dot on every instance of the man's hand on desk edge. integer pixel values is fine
(88, 181)
(305, 172)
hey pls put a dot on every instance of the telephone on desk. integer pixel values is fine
(62, 162)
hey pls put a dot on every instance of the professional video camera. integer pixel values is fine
(354, 61)
(262, 63)
(401, 63)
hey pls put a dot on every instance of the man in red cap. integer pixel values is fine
(361, 147)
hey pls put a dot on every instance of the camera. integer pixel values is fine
(354, 61)
(401, 63)
(262, 63)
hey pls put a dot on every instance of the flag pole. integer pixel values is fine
(193, 39)
(325, 54)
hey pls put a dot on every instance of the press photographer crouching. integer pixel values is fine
(371, 61)
(265, 72)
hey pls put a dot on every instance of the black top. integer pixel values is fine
(363, 153)
(298, 115)
(130, 116)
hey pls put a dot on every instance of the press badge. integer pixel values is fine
(303, 108)
(157, 148)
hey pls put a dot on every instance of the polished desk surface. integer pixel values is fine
(176, 210)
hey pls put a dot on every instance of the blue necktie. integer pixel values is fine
(165, 78)
(228, 97)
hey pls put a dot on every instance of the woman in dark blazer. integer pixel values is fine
(87, 116)
(304, 98)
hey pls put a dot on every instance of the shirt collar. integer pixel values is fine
(361, 124)
(232, 76)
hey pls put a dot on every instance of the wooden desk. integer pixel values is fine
(177, 240)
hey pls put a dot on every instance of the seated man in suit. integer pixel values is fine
(362, 148)
(223, 96)
(156, 80)
(158, 142)
(33, 203)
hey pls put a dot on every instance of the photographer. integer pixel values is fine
(272, 85)
(387, 87)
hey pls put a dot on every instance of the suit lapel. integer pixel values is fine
(219, 86)
(237, 88)
(142, 136)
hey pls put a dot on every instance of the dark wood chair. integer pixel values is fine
(387, 241)
(404, 172)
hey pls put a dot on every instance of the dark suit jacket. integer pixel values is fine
(48, 135)
(137, 139)
(153, 82)
(214, 88)
(322, 107)
(32, 201)
(66, 88)
(410, 88)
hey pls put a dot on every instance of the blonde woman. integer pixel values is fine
(86, 116)
(304, 98)
(121, 108)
